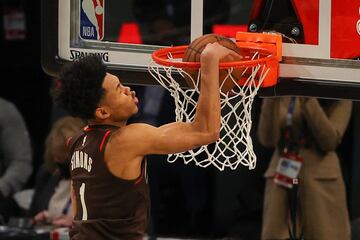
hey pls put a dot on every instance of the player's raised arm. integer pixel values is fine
(204, 129)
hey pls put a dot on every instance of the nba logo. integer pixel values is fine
(92, 19)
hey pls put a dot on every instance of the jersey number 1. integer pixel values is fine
(82, 200)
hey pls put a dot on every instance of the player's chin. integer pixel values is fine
(136, 110)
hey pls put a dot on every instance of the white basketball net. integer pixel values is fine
(234, 146)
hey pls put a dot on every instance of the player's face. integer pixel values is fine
(120, 101)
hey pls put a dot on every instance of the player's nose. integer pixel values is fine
(127, 90)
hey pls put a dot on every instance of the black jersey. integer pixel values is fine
(107, 207)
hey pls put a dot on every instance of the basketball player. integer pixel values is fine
(109, 184)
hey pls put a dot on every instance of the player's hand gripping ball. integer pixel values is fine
(193, 52)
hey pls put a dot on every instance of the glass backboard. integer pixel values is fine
(320, 50)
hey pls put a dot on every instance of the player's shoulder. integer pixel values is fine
(135, 127)
(132, 131)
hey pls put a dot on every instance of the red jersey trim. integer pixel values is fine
(87, 128)
(143, 172)
(68, 141)
(141, 177)
(103, 140)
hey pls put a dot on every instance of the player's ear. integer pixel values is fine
(102, 113)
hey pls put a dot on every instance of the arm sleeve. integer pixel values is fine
(16, 148)
(269, 123)
(327, 130)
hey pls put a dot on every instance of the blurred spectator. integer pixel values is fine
(51, 202)
(305, 192)
(15, 157)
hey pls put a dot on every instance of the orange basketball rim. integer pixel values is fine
(260, 49)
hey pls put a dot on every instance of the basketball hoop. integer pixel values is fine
(259, 69)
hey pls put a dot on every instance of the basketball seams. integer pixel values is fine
(192, 47)
(202, 46)
(193, 53)
(197, 44)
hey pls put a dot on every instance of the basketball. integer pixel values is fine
(193, 52)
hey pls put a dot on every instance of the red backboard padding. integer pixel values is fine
(345, 28)
(308, 14)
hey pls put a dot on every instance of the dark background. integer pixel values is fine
(22, 79)
(187, 201)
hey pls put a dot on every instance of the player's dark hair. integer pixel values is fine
(79, 88)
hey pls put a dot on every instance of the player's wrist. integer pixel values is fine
(209, 67)
(207, 57)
